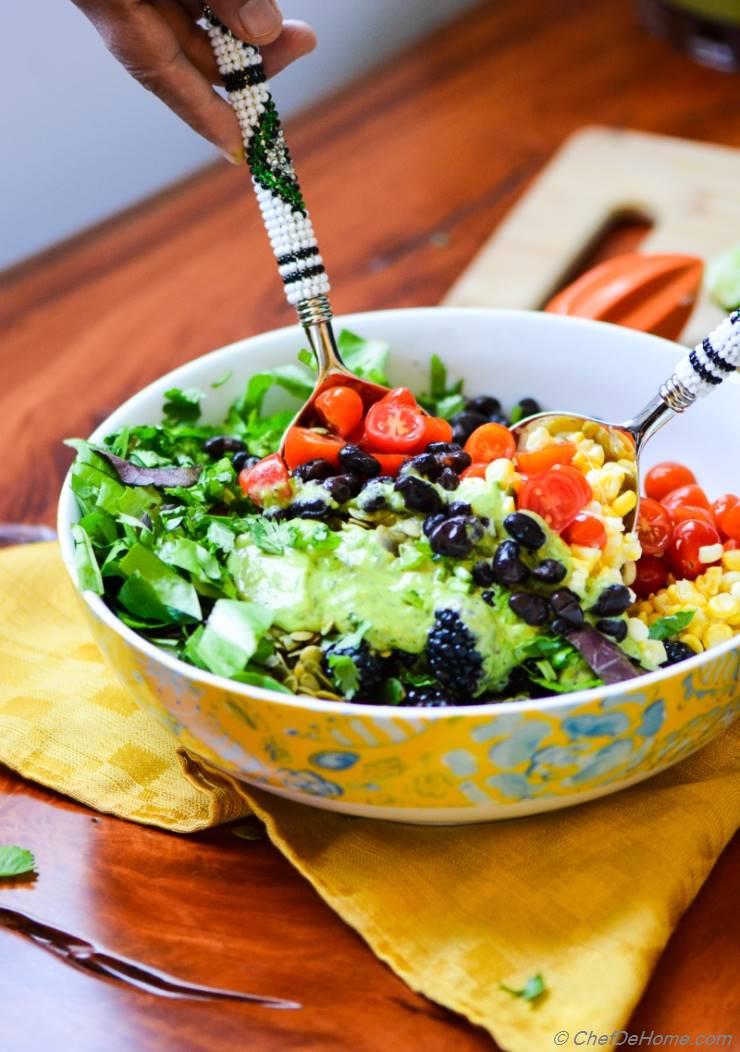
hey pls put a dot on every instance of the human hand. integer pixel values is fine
(160, 44)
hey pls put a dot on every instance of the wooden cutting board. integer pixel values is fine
(689, 191)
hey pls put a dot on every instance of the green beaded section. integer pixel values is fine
(270, 162)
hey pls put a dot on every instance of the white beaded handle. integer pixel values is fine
(280, 199)
(712, 360)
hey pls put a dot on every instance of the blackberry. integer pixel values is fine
(427, 698)
(370, 667)
(675, 652)
(452, 654)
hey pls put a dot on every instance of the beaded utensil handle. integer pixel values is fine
(279, 195)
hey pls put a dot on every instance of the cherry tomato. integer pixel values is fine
(268, 478)
(685, 512)
(663, 478)
(302, 445)
(490, 442)
(578, 478)
(691, 494)
(542, 459)
(732, 546)
(394, 427)
(475, 471)
(652, 575)
(727, 513)
(341, 409)
(390, 463)
(587, 531)
(400, 396)
(688, 538)
(654, 527)
(436, 430)
(555, 496)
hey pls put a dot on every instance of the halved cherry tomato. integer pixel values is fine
(578, 478)
(688, 538)
(654, 527)
(436, 430)
(390, 463)
(652, 575)
(394, 427)
(475, 471)
(727, 513)
(302, 445)
(268, 478)
(691, 494)
(587, 531)
(663, 478)
(732, 546)
(341, 409)
(542, 459)
(490, 442)
(400, 396)
(684, 512)
(555, 495)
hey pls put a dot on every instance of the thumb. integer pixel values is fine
(257, 21)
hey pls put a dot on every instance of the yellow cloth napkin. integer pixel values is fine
(587, 896)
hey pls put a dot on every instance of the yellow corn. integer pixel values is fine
(693, 642)
(714, 598)
(731, 560)
(624, 503)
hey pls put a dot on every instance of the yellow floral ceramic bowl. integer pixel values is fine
(464, 764)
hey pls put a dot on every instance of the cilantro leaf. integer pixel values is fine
(345, 674)
(365, 358)
(182, 404)
(16, 861)
(531, 992)
(442, 400)
(673, 625)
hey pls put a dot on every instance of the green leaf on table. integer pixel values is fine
(532, 990)
(230, 636)
(366, 358)
(182, 404)
(89, 577)
(154, 591)
(15, 861)
(667, 627)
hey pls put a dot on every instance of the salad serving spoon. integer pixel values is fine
(304, 276)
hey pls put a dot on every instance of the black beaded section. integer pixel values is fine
(294, 257)
(702, 370)
(735, 316)
(307, 272)
(716, 358)
(242, 78)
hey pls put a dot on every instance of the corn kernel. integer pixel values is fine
(698, 623)
(501, 471)
(716, 634)
(693, 642)
(686, 592)
(710, 582)
(637, 630)
(710, 553)
(729, 578)
(731, 560)
(629, 572)
(723, 606)
(625, 503)
(735, 590)
(539, 438)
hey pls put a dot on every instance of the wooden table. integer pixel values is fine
(406, 174)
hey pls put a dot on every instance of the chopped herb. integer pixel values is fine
(393, 692)
(365, 358)
(15, 861)
(667, 627)
(345, 673)
(442, 400)
(531, 992)
(182, 405)
(222, 379)
(412, 597)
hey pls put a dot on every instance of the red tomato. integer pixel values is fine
(542, 459)
(390, 463)
(341, 409)
(394, 427)
(652, 575)
(475, 471)
(727, 513)
(268, 478)
(400, 396)
(732, 546)
(654, 527)
(578, 478)
(302, 445)
(436, 430)
(665, 477)
(555, 495)
(685, 512)
(691, 494)
(490, 442)
(586, 530)
(688, 538)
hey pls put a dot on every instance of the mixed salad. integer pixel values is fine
(400, 557)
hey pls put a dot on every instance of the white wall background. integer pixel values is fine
(81, 140)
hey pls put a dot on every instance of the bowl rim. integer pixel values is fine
(65, 519)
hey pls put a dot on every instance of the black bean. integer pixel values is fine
(508, 568)
(675, 652)
(459, 507)
(356, 460)
(486, 405)
(528, 407)
(449, 479)
(425, 464)
(464, 424)
(614, 627)
(567, 607)
(374, 501)
(456, 536)
(242, 460)
(613, 601)
(525, 529)
(560, 627)
(531, 608)
(489, 597)
(549, 571)
(456, 459)
(443, 447)
(308, 509)
(483, 574)
(314, 471)
(499, 418)
(431, 522)
(221, 445)
(418, 495)
(342, 487)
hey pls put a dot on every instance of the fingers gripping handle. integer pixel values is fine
(704, 368)
(279, 196)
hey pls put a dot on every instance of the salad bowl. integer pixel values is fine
(458, 764)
